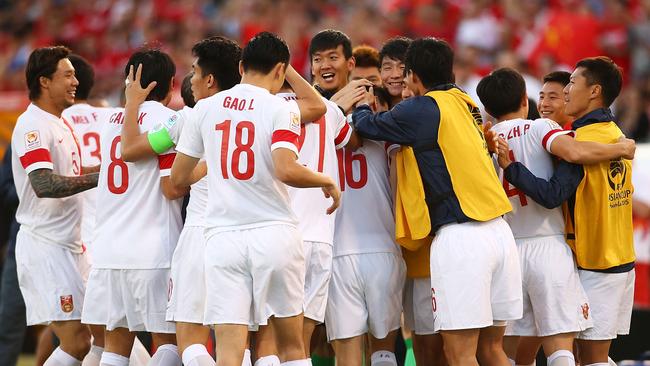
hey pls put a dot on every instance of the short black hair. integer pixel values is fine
(156, 66)
(186, 90)
(329, 39)
(501, 92)
(85, 74)
(366, 56)
(395, 48)
(42, 62)
(383, 96)
(220, 57)
(263, 52)
(432, 60)
(561, 77)
(603, 71)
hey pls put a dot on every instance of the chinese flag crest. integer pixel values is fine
(67, 305)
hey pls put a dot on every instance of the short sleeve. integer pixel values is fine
(286, 127)
(32, 146)
(343, 129)
(190, 141)
(547, 130)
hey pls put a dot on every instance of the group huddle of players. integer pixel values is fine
(294, 192)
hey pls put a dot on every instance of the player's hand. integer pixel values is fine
(133, 91)
(503, 151)
(490, 137)
(351, 94)
(333, 191)
(629, 147)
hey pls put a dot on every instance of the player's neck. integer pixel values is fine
(82, 101)
(48, 106)
(514, 115)
(259, 80)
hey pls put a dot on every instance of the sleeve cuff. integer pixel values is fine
(343, 137)
(285, 145)
(188, 152)
(547, 141)
(39, 165)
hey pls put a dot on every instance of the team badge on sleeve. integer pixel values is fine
(32, 140)
(295, 122)
(171, 121)
(67, 305)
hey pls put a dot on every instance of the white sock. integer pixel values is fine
(271, 360)
(60, 358)
(305, 362)
(383, 358)
(561, 358)
(166, 355)
(611, 362)
(139, 355)
(113, 359)
(512, 362)
(93, 357)
(197, 355)
(247, 358)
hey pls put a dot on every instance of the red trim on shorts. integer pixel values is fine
(35, 156)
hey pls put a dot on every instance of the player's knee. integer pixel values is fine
(81, 345)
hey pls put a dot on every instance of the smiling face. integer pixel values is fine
(62, 87)
(551, 102)
(330, 69)
(578, 94)
(392, 76)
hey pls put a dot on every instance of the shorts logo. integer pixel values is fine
(67, 305)
(585, 310)
(295, 122)
(433, 300)
(32, 140)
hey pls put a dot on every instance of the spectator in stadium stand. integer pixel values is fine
(12, 306)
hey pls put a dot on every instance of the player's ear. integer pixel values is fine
(596, 91)
(44, 82)
(279, 70)
(241, 68)
(524, 100)
(351, 63)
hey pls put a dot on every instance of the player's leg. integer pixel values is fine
(74, 338)
(418, 316)
(490, 346)
(266, 349)
(307, 330)
(428, 349)
(558, 349)
(188, 334)
(527, 350)
(166, 352)
(117, 347)
(510, 346)
(348, 351)
(460, 346)
(288, 337)
(382, 351)
(230, 342)
(94, 356)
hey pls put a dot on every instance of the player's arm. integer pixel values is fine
(400, 125)
(290, 172)
(309, 101)
(550, 194)
(46, 184)
(587, 152)
(172, 191)
(90, 169)
(349, 95)
(135, 145)
(183, 170)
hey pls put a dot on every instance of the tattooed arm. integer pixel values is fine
(49, 185)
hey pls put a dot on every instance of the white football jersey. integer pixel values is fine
(195, 211)
(237, 129)
(136, 226)
(318, 143)
(86, 123)
(41, 140)
(530, 144)
(365, 222)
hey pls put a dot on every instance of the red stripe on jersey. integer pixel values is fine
(550, 134)
(166, 161)
(35, 156)
(285, 136)
(344, 132)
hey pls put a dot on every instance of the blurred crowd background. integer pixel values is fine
(534, 36)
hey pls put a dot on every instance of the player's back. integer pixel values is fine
(239, 127)
(137, 227)
(365, 221)
(318, 143)
(530, 144)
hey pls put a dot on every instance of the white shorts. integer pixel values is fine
(52, 279)
(418, 310)
(187, 285)
(254, 274)
(318, 271)
(365, 295)
(475, 275)
(554, 301)
(611, 296)
(135, 299)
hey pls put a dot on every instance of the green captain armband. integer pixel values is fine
(160, 140)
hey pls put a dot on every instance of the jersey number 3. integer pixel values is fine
(241, 148)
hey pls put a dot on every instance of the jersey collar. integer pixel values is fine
(596, 116)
